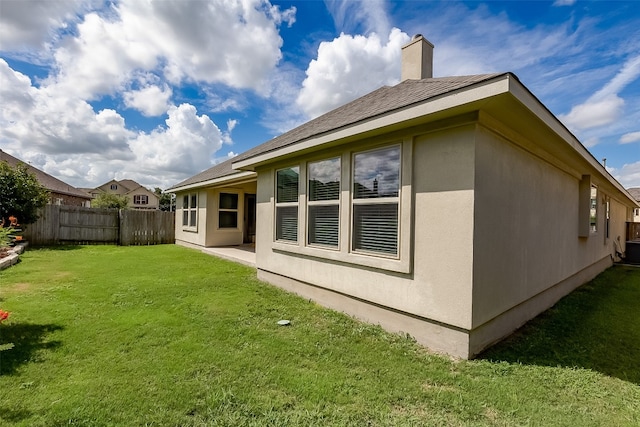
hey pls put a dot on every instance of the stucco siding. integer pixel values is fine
(208, 233)
(526, 235)
(443, 253)
(184, 234)
(439, 286)
(217, 236)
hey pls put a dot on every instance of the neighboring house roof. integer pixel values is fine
(635, 193)
(129, 184)
(51, 183)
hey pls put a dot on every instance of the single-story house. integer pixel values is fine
(453, 209)
(138, 196)
(60, 193)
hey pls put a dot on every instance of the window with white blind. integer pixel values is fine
(228, 210)
(287, 204)
(323, 204)
(190, 211)
(375, 201)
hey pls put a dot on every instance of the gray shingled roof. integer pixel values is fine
(49, 182)
(635, 193)
(129, 184)
(379, 102)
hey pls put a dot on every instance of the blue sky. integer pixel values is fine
(159, 91)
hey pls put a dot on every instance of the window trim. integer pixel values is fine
(593, 206)
(295, 204)
(143, 197)
(403, 263)
(236, 210)
(190, 211)
(332, 202)
(374, 201)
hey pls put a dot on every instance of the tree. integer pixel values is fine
(21, 195)
(107, 200)
(165, 199)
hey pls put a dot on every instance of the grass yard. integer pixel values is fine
(168, 336)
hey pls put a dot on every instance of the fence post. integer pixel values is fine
(121, 227)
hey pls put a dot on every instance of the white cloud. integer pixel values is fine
(133, 50)
(231, 42)
(150, 100)
(226, 135)
(564, 2)
(594, 113)
(630, 137)
(630, 71)
(348, 67)
(31, 23)
(509, 46)
(87, 148)
(187, 143)
(629, 175)
(100, 60)
(605, 106)
(55, 124)
(231, 124)
(359, 16)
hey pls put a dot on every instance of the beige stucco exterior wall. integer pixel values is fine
(208, 232)
(494, 239)
(184, 234)
(217, 236)
(526, 234)
(438, 286)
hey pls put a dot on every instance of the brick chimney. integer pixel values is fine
(417, 59)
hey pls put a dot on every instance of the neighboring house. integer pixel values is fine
(139, 197)
(60, 193)
(635, 193)
(454, 209)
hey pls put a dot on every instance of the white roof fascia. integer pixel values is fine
(429, 106)
(533, 104)
(216, 181)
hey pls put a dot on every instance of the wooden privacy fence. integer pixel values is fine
(73, 224)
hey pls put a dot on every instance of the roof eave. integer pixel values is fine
(527, 98)
(451, 100)
(228, 179)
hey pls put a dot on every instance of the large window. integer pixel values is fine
(323, 221)
(375, 200)
(140, 199)
(228, 210)
(287, 204)
(190, 210)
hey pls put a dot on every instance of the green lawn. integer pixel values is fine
(168, 336)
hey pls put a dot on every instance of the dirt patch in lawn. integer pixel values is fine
(17, 288)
